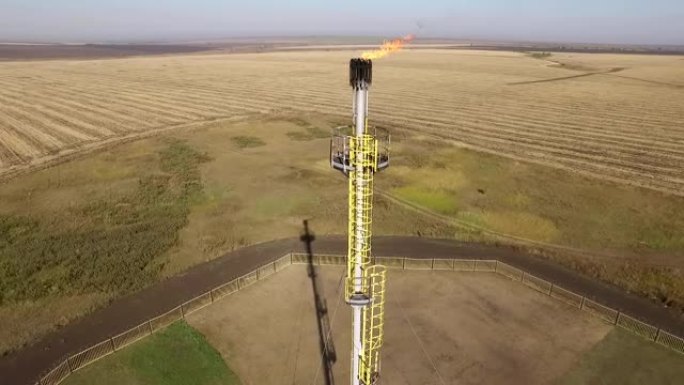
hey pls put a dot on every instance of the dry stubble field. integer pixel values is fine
(621, 120)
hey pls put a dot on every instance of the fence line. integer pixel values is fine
(486, 266)
(77, 361)
(509, 271)
(443, 264)
(119, 341)
(131, 335)
(641, 328)
(537, 284)
(166, 319)
(115, 343)
(605, 313)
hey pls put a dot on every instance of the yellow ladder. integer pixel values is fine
(363, 153)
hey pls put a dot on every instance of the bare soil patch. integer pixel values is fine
(440, 328)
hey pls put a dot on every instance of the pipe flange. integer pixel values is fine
(359, 300)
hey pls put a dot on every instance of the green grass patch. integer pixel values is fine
(513, 223)
(625, 359)
(436, 200)
(309, 133)
(247, 141)
(178, 355)
(106, 246)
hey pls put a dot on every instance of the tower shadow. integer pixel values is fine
(326, 343)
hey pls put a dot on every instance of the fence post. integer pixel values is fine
(551, 288)
(149, 325)
(474, 265)
(433, 264)
(522, 277)
(617, 318)
(211, 295)
(403, 263)
(496, 266)
(182, 311)
(582, 302)
(655, 339)
(69, 365)
(111, 342)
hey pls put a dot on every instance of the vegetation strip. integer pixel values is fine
(41, 258)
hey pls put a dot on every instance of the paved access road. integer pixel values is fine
(26, 365)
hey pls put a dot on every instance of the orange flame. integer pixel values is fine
(388, 47)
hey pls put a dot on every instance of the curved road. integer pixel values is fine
(25, 365)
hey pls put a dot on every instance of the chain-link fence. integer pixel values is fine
(115, 343)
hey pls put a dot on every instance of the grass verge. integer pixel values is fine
(623, 358)
(178, 355)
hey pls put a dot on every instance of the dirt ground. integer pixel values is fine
(441, 327)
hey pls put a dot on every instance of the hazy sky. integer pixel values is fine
(608, 21)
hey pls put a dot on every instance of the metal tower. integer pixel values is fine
(359, 154)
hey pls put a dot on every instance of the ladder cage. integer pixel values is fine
(362, 157)
(373, 328)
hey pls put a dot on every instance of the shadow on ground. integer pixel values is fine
(327, 345)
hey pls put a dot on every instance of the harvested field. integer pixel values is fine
(441, 328)
(621, 122)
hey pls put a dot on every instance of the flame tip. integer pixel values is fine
(387, 47)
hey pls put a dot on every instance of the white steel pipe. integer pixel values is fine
(360, 110)
(361, 99)
(358, 347)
